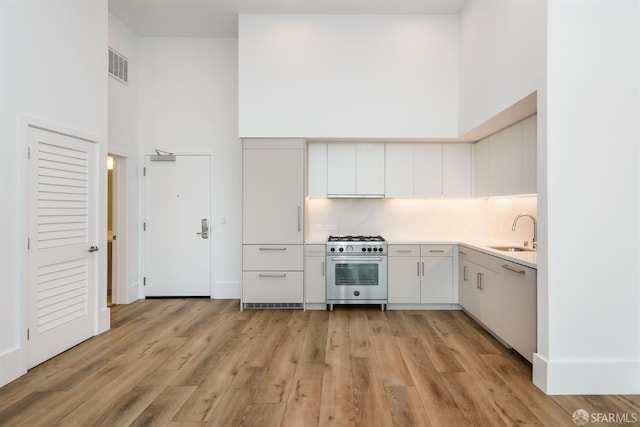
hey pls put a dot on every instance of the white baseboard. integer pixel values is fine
(586, 377)
(310, 306)
(134, 292)
(11, 366)
(227, 290)
(104, 320)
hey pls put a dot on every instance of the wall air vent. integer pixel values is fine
(118, 66)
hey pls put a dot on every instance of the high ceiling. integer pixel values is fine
(219, 18)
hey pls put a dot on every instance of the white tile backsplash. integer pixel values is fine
(501, 212)
(422, 219)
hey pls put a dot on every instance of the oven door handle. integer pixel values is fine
(353, 258)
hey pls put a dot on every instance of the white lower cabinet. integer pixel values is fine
(273, 287)
(315, 287)
(436, 282)
(403, 279)
(272, 274)
(518, 284)
(501, 295)
(420, 274)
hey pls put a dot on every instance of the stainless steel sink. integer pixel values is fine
(512, 248)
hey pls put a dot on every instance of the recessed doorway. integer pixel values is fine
(111, 236)
(116, 229)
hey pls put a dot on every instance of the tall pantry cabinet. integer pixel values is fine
(272, 223)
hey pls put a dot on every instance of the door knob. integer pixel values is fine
(94, 249)
(205, 228)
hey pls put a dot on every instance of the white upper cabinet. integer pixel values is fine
(341, 167)
(456, 170)
(505, 152)
(505, 163)
(413, 170)
(399, 175)
(370, 169)
(529, 155)
(354, 170)
(398, 169)
(427, 170)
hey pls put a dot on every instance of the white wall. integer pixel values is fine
(348, 76)
(592, 342)
(189, 103)
(502, 56)
(54, 70)
(123, 141)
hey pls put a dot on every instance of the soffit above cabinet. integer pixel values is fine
(219, 18)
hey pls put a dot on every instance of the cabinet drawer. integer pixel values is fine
(272, 257)
(404, 250)
(436, 250)
(315, 250)
(272, 286)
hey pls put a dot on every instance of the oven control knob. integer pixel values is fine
(364, 249)
(369, 249)
(380, 250)
(356, 293)
(341, 249)
(349, 248)
(375, 249)
(333, 249)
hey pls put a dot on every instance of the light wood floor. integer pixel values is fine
(203, 362)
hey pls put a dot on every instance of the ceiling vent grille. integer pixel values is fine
(118, 66)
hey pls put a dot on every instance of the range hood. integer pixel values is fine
(355, 196)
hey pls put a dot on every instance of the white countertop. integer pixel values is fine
(526, 258)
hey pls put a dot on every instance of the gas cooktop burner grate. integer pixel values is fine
(356, 239)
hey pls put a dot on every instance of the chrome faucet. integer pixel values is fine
(535, 227)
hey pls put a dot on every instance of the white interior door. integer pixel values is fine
(62, 238)
(178, 238)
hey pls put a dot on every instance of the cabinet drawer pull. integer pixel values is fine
(323, 269)
(462, 253)
(507, 267)
(423, 268)
(272, 275)
(479, 281)
(272, 249)
(404, 251)
(418, 265)
(436, 250)
(299, 218)
(464, 273)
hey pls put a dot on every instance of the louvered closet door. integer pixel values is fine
(62, 228)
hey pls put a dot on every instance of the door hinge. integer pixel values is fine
(144, 171)
(144, 281)
(27, 334)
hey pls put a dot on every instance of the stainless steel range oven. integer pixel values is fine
(356, 270)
